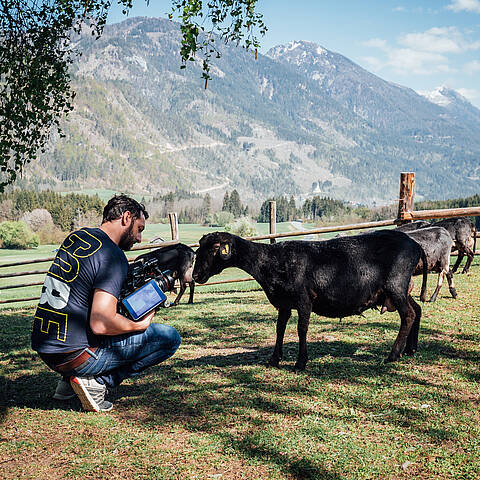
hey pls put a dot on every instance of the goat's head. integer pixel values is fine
(213, 255)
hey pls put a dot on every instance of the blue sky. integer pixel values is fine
(421, 44)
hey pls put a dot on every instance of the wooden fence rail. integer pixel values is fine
(405, 215)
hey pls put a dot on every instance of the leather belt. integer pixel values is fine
(75, 362)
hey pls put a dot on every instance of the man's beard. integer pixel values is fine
(127, 240)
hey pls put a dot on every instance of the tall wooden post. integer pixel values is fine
(405, 202)
(273, 218)
(172, 216)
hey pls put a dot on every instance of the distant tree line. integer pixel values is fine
(28, 217)
(473, 201)
(64, 209)
(313, 209)
(285, 208)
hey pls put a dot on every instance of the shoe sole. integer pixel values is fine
(58, 396)
(88, 403)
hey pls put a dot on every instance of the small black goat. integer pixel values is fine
(437, 245)
(335, 278)
(179, 260)
(463, 234)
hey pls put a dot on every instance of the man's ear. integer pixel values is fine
(126, 218)
(225, 251)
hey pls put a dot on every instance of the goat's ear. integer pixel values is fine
(225, 251)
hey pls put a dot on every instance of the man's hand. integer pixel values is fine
(146, 320)
(104, 319)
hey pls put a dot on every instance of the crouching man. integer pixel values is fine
(77, 330)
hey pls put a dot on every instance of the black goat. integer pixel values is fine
(437, 245)
(463, 234)
(408, 227)
(179, 260)
(334, 278)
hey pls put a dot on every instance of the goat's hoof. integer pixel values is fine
(453, 292)
(423, 299)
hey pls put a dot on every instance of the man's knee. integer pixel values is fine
(167, 335)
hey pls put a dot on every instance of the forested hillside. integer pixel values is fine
(271, 127)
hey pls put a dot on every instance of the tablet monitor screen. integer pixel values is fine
(144, 300)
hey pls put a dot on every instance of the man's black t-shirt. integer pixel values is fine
(87, 259)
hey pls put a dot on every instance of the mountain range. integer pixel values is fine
(300, 120)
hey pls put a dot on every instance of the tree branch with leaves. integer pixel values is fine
(36, 53)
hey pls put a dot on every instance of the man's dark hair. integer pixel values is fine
(119, 204)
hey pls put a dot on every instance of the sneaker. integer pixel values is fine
(64, 391)
(91, 394)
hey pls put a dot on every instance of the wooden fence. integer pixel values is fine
(405, 214)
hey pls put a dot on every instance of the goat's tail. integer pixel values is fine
(423, 292)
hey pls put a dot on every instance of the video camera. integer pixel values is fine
(144, 287)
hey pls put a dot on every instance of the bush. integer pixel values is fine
(17, 235)
(223, 218)
(243, 227)
(37, 219)
(50, 235)
(40, 221)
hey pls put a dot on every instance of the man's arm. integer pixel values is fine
(104, 319)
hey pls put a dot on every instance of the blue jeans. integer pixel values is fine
(125, 356)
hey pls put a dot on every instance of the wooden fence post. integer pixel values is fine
(172, 216)
(273, 218)
(405, 202)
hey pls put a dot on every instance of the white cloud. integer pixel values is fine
(407, 61)
(399, 9)
(440, 40)
(465, 6)
(472, 67)
(423, 53)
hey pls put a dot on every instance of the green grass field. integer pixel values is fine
(215, 411)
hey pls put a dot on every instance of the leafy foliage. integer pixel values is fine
(36, 52)
(17, 235)
(233, 20)
(243, 227)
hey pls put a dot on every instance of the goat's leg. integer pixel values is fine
(304, 313)
(412, 339)
(192, 289)
(451, 285)
(407, 317)
(439, 285)
(470, 256)
(283, 316)
(459, 260)
(183, 287)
